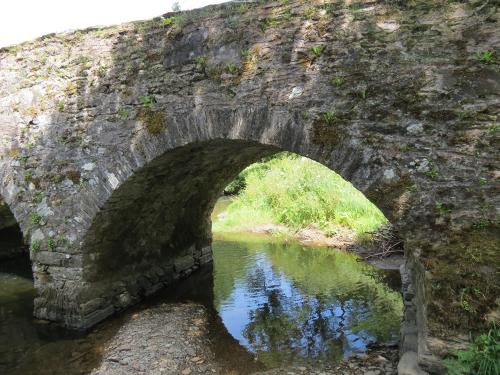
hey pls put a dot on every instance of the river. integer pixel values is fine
(280, 302)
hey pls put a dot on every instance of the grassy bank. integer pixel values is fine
(297, 192)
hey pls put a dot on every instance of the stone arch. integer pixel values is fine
(151, 223)
(162, 207)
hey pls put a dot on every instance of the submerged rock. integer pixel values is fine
(175, 339)
(166, 339)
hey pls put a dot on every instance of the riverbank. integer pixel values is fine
(298, 193)
(174, 339)
(380, 248)
(345, 239)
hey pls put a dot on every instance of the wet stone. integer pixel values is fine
(171, 347)
(174, 339)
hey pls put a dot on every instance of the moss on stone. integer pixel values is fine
(387, 196)
(327, 130)
(153, 121)
(465, 279)
(74, 176)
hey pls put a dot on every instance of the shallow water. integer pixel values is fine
(283, 303)
(28, 346)
(287, 303)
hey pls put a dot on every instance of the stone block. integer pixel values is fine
(408, 365)
(93, 318)
(183, 263)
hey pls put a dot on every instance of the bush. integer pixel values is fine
(483, 358)
(236, 186)
(298, 192)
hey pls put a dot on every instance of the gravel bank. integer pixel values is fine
(174, 339)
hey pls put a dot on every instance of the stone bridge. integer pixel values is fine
(116, 142)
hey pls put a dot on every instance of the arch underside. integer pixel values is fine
(156, 227)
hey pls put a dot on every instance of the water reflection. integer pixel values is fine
(30, 347)
(282, 302)
(287, 303)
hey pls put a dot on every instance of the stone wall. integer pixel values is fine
(115, 142)
(110, 295)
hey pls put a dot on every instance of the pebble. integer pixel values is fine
(159, 340)
(172, 349)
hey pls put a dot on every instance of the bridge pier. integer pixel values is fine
(63, 294)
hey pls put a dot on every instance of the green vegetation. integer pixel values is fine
(201, 61)
(237, 184)
(101, 71)
(232, 68)
(433, 173)
(146, 101)
(309, 12)
(355, 6)
(330, 118)
(243, 8)
(442, 208)
(71, 88)
(263, 24)
(267, 23)
(28, 176)
(297, 192)
(51, 244)
(60, 105)
(35, 246)
(38, 197)
(233, 23)
(178, 21)
(153, 121)
(485, 56)
(124, 114)
(483, 358)
(484, 223)
(317, 50)
(495, 128)
(169, 21)
(36, 219)
(337, 81)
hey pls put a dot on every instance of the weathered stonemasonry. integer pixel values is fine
(116, 142)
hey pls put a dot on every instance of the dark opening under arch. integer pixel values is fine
(11, 236)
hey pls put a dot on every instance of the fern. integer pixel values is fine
(483, 358)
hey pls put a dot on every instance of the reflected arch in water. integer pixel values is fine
(290, 304)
